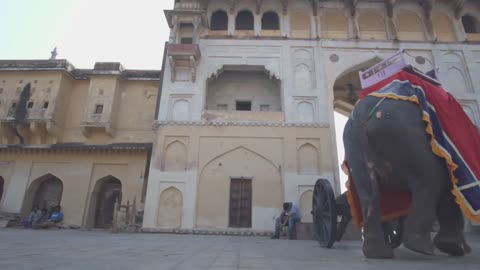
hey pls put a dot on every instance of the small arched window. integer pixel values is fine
(219, 21)
(470, 24)
(244, 20)
(270, 21)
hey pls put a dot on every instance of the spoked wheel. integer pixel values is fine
(393, 231)
(324, 213)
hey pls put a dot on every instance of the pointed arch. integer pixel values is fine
(306, 205)
(357, 65)
(346, 87)
(107, 190)
(175, 156)
(214, 187)
(308, 162)
(181, 110)
(302, 77)
(234, 149)
(170, 208)
(302, 54)
(306, 112)
(46, 191)
(455, 80)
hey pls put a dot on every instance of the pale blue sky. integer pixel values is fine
(85, 31)
(89, 31)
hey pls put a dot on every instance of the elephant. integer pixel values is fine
(386, 145)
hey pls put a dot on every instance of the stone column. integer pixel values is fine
(173, 31)
(231, 24)
(257, 24)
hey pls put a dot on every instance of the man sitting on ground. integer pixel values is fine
(289, 217)
(56, 216)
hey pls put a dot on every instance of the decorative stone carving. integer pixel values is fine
(170, 208)
(456, 79)
(181, 110)
(302, 77)
(303, 69)
(175, 157)
(305, 111)
(307, 160)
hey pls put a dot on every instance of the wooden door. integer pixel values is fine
(240, 215)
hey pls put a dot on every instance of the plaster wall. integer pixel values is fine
(70, 104)
(270, 156)
(78, 172)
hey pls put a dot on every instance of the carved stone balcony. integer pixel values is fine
(97, 122)
(38, 126)
(183, 56)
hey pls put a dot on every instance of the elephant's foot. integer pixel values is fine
(376, 248)
(451, 246)
(418, 242)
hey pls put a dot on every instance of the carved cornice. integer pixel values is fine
(240, 123)
(77, 148)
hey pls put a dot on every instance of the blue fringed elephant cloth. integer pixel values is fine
(453, 136)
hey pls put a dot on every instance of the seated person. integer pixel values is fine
(56, 216)
(33, 217)
(289, 217)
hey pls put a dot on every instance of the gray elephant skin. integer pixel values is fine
(391, 148)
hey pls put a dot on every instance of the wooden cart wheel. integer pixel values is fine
(393, 232)
(324, 213)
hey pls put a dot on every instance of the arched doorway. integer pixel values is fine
(1, 188)
(233, 185)
(44, 192)
(346, 91)
(107, 192)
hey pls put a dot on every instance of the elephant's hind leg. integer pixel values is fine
(366, 184)
(450, 239)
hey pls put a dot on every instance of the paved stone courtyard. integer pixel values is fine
(67, 249)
